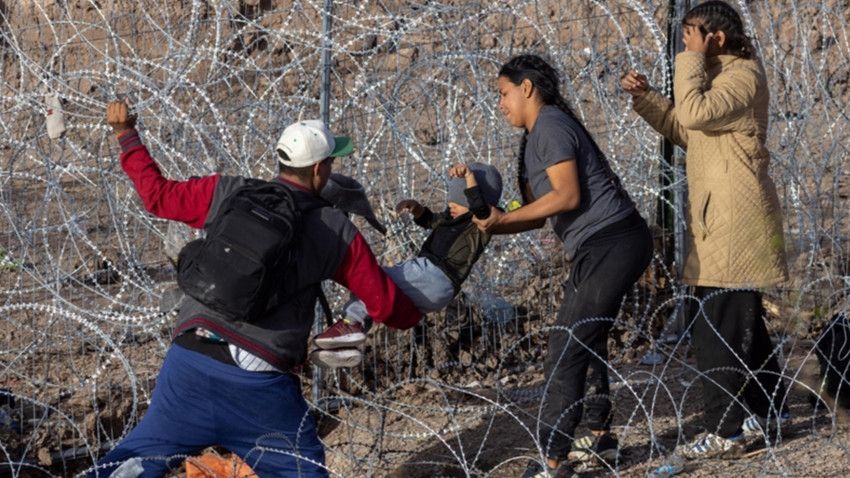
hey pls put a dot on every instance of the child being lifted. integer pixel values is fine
(434, 277)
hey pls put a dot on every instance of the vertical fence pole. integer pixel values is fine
(325, 95)
(324, 114)
(672, 204)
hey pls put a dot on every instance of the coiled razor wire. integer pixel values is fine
(88, 284)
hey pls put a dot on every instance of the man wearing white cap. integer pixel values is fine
(229, 383)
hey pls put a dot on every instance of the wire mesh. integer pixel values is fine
(87, 285)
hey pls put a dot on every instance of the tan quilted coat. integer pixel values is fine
(734, 219)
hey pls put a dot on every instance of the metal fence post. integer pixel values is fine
(674, 169)
(325, 94)
(324, 113)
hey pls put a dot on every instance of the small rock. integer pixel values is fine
(44, 457)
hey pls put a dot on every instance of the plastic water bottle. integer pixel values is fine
(673, 465)
(131, 468)
(664, 471)
(496, 309)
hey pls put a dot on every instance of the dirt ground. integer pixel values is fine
(86, 274)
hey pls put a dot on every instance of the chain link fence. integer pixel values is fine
(88, 286)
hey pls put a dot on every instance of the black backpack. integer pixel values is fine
(244, 264)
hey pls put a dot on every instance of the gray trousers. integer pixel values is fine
(427, 286)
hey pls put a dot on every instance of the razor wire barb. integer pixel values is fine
(87, 286)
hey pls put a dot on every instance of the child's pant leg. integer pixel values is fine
(425, 284)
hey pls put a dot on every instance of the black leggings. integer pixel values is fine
(735, 355)
(603, 270)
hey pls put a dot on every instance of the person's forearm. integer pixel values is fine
(659, 112)
(519, 226)
(426, 218)
(534, 215)
(548, 205)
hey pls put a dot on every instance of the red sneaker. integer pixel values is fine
(336, 358)
(342, 334)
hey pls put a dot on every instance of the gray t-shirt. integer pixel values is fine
(555, 137)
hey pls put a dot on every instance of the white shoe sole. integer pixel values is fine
(350, 340)
(687, 452)
(336, 358)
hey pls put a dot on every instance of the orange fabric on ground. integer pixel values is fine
(213, 465)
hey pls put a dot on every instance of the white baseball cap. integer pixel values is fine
(308, 142)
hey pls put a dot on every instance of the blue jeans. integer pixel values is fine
(200, 402)
(427, 285)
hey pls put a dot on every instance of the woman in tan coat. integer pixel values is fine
(735, 243)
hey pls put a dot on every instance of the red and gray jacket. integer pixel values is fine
(331, 248)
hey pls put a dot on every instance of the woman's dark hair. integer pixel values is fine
(546, 81)
(720, 16)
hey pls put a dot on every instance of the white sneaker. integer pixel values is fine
(753, 429)
(713, 446)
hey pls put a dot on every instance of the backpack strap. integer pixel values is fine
(314, 202)
(323, 300)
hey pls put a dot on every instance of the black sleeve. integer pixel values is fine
(426, 220)
(477, 204)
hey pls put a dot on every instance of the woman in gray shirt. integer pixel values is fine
(565, 177)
